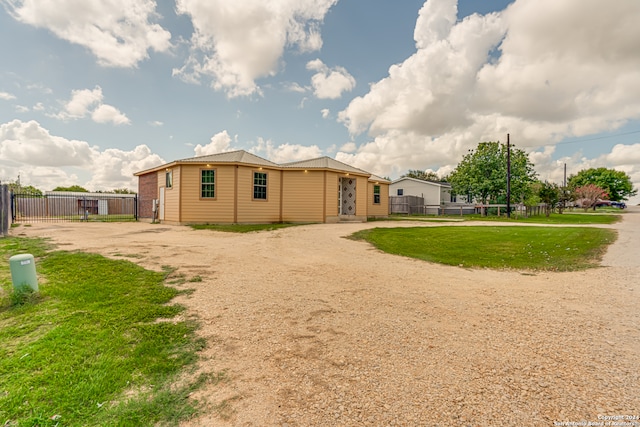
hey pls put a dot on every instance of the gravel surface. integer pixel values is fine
(312, 329)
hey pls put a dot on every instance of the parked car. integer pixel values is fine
(621, 205)
(601, 203)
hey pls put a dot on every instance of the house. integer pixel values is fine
(433, 193)
(240, 187)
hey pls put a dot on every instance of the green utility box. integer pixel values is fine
(23, 271)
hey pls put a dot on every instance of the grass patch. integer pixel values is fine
(88, 351)
(525, 248)
(242, 228)
(565, 218)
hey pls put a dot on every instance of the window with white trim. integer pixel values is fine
(208, 183)
(260, 185)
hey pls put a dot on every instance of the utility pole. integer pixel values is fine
(508, 178)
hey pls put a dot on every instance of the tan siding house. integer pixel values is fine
(239, 187)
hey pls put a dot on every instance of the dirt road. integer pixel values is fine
(313, 329)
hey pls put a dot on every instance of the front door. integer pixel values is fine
(347, 196)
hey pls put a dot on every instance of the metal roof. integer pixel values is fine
(239, 156)
(421, 181)
(325, 163)
(378, 179)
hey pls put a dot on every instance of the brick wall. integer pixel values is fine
(147, 191)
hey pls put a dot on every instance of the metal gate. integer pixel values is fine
(65, 206)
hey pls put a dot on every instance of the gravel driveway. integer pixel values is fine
(313, 329)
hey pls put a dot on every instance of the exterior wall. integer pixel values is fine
(171, 195)
(218, 210)
(431, 192)
(147, 191)
(332, 194)
(250, 210)
(303, 195)
(381, 209)
(362, 191)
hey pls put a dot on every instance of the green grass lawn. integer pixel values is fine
(526, 248)
(554, 218)
(88, 349)
(242, 228)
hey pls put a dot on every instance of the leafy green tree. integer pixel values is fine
(15, 187)
(482, 173)
(74, 188)
(423, 175)
(549, 194)
(123, 191)
(616, 184)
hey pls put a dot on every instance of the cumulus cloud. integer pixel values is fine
(109, 114)
(220, 143)
(330, 83)
(114, 168)
(235, 43)
(325, 113)
(30, 143)
(540, 70)
(84, 102)
(47, 161)
(284, 153)
(119, 33)
(295, 87)
(6, 96)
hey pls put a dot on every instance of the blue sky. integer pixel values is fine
(91, 94)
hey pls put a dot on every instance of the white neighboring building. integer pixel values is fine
(433, 193)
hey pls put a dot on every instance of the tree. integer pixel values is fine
(74, 188)
(589, 195)
(616, 184)
(15, 187)
(123, 191)
(423, 175)
(482, 173)
(549, 194)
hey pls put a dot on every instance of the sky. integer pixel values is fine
(92, 91)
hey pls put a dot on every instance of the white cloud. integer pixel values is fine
(109, 114)
(540, 70)
(47, 161)
(6, 96)
(156, 123)
(220, 143)
(284, 153)
(114, 168)
(29, 143)
(295, 87)
(325, 113)
(118, 32)
(236, 43)
(330, 83)
(86, 101)
(349, 147)
(22, 109)
(38, 107)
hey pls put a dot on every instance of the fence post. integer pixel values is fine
(135, 207)
(5, 201)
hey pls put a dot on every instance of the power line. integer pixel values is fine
(595, 138)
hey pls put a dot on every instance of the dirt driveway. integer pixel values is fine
(314, 329)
